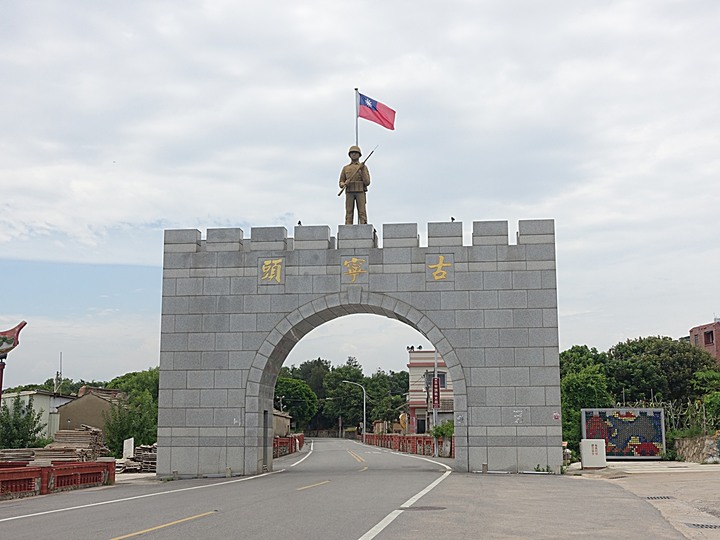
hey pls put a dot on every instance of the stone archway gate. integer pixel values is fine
(233, 308)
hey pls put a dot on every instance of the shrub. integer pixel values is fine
(444, 430)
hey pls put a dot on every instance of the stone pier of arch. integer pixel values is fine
(234, 307)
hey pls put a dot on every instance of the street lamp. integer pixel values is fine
(364, 401)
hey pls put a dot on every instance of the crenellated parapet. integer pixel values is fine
(394, 235)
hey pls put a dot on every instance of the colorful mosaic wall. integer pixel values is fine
(628, 433)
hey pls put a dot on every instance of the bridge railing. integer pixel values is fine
(422, 445)
(17, 480)
(282, 446)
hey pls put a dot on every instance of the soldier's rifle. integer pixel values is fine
(362, 164)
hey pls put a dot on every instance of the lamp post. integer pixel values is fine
(364, 402)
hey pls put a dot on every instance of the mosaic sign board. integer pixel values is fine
(628, 433)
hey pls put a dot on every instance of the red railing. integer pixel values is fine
(19, 481)
(422, 445)
(282, 446)
(80, 475)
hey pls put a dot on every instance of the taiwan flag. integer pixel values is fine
(377, 112)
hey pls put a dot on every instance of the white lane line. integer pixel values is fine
(298, 462)
(245, 479)
(387, 520)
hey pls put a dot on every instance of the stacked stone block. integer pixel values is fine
(233, 308)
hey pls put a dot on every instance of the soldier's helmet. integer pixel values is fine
(354, 148)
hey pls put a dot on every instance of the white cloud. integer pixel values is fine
(120, 120)
(99, 346)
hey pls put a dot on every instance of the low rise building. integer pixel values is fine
(44, 402)
(281, 423)
(707, 336)
(90, 408)
(421, 368)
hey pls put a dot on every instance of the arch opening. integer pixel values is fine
(267, 367)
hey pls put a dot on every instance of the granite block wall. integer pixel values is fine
(234, 307)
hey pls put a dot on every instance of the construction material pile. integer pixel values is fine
(144, 460)
(146, 455)
(83, 444)
(17, 454)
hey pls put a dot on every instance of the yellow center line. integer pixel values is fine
(363, 469)
(138, 533)
(314, 485)
(357, 458)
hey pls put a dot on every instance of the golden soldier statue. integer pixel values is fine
(355, 179)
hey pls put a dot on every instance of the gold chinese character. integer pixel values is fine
(355, 267)
(439, 273)
(272, 269)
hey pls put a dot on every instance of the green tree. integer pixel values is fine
(657, 366)
(586, 388)
(712, 409)
(297, 399)
(344, 400)
(444, 430)
(399, 383)
(138, 382)
(313, 372)
(386, 394)
(287, 372)
(388, 409)
(66, 386)
(578, 357)
(636, 379)
(20, 425)
(135, 417)
(706, 381)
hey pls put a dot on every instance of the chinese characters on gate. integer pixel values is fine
(439, 272)
(354, 267)
(272, 270)
(437, 267)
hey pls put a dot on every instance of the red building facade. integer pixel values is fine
(706, 337)
(421, 366)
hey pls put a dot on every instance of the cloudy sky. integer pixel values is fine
(122, 119)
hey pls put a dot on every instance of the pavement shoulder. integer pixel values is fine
(684, 493)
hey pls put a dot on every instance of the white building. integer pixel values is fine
(44, 402)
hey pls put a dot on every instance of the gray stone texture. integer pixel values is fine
(491, 312)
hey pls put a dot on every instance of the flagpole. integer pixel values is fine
(357, 97)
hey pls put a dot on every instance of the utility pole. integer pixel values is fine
(436, 400)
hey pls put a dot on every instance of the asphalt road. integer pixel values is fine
(339, 490)
(342, 489)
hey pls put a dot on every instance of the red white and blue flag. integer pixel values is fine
(377, 112)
